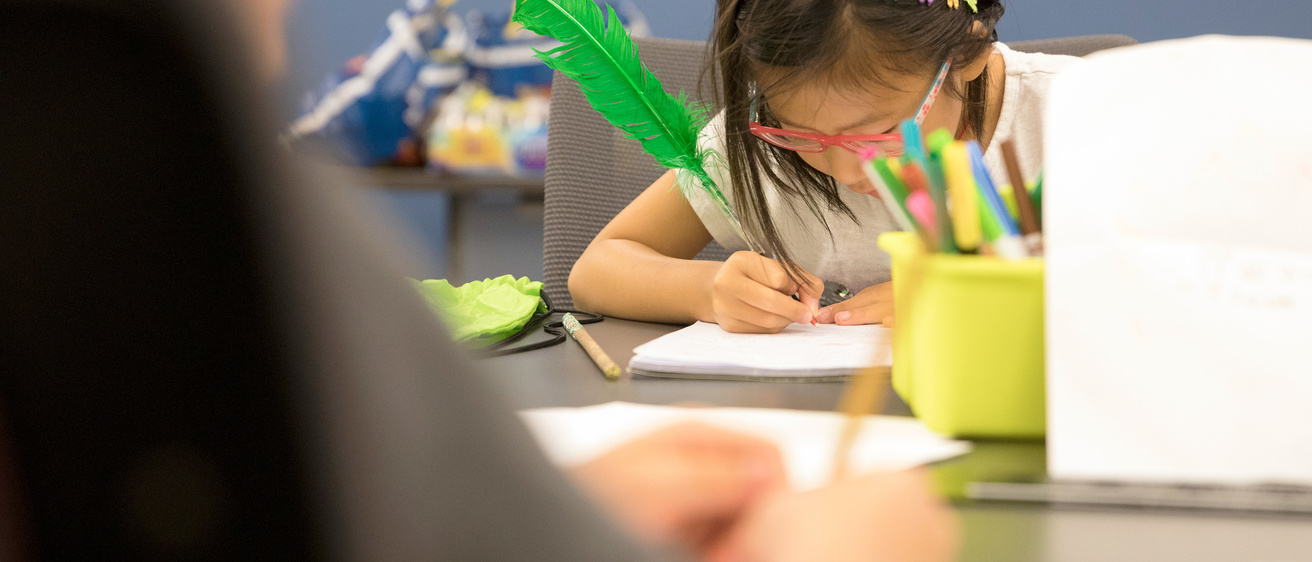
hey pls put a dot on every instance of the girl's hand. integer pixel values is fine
(873, 304)
(752, 293)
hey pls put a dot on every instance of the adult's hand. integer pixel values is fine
(879, 518)
(686, 485)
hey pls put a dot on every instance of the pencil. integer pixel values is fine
(598, 355)
(862, 397)
(1029, 226)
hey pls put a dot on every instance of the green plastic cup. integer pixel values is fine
(968, 351)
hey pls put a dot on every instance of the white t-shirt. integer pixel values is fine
(853, 258)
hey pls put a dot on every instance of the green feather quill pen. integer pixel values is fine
(604, 62)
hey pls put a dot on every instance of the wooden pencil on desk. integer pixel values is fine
(598, 355)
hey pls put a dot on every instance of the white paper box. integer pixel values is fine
(1178, 217)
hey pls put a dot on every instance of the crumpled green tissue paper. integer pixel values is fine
(480, 313)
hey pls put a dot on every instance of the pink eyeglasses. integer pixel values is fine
(888, 143)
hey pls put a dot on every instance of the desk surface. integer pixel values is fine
(564, 376)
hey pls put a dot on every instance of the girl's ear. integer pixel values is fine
(974, 68)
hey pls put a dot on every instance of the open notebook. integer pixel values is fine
(800, 352)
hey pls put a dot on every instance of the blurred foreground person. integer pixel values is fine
(208, 356)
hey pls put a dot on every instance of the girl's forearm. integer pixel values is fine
(628, 279)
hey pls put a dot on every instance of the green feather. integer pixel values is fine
(604, 62)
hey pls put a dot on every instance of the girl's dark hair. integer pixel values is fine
(764, 46)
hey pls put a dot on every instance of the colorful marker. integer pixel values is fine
(964, 196)
(913, 145)
(1008, 244)
(896, 207)
(938, 192)
(890, 171)
(937, 140)
(1037, 195)
(988, 224)
(922, 208)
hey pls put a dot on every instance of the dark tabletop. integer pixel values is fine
(563, 375)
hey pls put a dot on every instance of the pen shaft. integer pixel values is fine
(863, 397)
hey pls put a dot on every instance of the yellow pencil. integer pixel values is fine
(862, 397)
(598, 355)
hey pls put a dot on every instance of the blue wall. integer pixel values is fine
(326, 32)
(1152, 20)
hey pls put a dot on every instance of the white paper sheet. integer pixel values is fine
(799, 350)
(1177, 205)
(807, 440)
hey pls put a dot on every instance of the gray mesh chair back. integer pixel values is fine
(1079, 46)
(593, 172)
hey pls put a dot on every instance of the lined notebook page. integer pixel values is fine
(800, 350)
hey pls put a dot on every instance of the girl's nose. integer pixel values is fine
(844, 166)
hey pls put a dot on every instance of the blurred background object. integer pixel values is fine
(446, 111)
(497, 229)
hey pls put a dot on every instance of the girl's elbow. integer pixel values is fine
(580, 285)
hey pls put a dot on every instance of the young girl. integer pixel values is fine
(806, 84)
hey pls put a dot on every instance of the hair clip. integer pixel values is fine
(954, 4)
